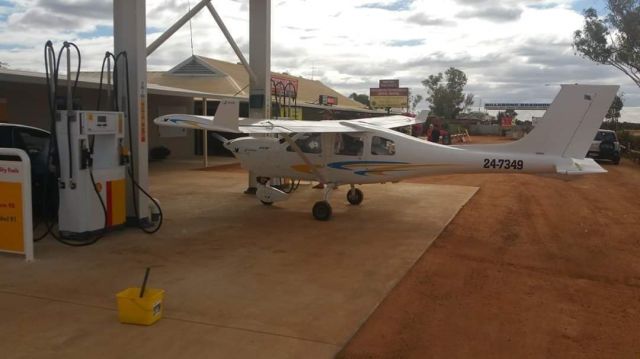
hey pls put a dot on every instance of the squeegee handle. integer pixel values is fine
(144, 282)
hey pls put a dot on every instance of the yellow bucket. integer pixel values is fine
(143, 311)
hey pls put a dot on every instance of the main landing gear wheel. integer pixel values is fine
(355, 196)
(322, 211)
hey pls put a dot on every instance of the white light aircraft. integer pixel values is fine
(355, 152)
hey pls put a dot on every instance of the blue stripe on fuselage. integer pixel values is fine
(361, 172)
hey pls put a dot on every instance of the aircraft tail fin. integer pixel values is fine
(569, 125)
(228, 115)
(225, 120)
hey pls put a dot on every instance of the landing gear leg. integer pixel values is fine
(355, 196)
(322, 209)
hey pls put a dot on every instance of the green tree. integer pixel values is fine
(614, 39)
(415, 100)
(615, 108)
(468, 102)
(362, 98)
(613, 115)
(445, 92)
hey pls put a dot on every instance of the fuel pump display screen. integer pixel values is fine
(100, 122)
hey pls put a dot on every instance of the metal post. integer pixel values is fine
(260, 62)
(230, 40)
(129, 35)
(183, 20)
(205, 136)
(260, 57)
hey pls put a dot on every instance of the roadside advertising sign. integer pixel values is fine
(389, 97)
(328, 100)
(16, 231)
(403, 91)
(388, 101)
(389, 84)
(282, 86)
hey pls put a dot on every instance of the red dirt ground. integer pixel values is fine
(532, 266)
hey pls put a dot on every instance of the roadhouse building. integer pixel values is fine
(182, 89)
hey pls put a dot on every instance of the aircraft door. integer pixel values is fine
(349, 146)
(347, 155)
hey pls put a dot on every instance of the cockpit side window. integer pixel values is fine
(382, 146)
(308, 143)
(348, 144)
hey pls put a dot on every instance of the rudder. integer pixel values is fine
(568, 126)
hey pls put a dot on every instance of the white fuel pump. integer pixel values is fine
(92, 171)
(89, 157)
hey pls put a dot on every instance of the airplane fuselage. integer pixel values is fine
(397, 157)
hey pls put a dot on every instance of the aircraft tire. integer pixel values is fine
(266, 203)
(355, 196)
(322, 211)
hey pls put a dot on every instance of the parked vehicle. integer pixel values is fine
(35, 142)
(605, 146)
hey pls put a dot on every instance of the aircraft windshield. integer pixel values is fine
(308, 143)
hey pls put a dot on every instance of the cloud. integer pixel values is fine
(349, 45)
(93, 9)
(442, 61)
(398, 5)
(401, 43)
(426, 20)
(495, 14)
(58, 15)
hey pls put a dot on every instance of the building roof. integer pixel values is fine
(200, 77)
(215, 76)
(92, 81)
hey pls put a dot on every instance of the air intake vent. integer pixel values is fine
(193, 67)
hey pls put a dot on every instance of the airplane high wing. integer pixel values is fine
(227, 120)
(355, 152)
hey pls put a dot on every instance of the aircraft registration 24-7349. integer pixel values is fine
(368, 150)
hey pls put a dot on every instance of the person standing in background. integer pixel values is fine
(435, 135)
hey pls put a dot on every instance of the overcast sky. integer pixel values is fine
(511, 50)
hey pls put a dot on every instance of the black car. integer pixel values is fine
(605, 146)
(35, 142)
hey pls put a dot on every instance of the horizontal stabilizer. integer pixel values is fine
(579, 167)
